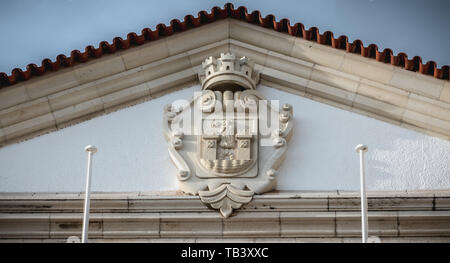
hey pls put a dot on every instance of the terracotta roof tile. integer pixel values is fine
(241, 13)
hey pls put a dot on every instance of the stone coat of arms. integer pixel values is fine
(228, 142)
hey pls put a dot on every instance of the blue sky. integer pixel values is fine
(31, 30)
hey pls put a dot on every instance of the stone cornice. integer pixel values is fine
(171, 201)
(295, 65)
(305, 216)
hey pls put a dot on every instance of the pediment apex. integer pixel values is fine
(301, 67)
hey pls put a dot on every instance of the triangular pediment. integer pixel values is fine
(233, 112)
(301, 67)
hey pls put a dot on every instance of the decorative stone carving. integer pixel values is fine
(228, 142)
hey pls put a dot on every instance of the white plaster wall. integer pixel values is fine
(133, 156)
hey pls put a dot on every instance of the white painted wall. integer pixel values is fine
(133, 156)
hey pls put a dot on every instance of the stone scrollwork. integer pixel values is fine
(228, 142)
(226, 197)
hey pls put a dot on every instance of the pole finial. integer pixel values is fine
(91, 149)
(361, 147)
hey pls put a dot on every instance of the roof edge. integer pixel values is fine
(298, 30)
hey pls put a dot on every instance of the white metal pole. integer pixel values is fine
(90, 150)
(361, 149)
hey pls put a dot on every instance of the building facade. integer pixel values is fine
(298, 181)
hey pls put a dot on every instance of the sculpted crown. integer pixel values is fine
(228, 72)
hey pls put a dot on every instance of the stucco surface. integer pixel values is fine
(133, 155)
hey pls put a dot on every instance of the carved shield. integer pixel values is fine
(228, 146)
(226, 157)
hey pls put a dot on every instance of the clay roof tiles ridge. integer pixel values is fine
(217, 13)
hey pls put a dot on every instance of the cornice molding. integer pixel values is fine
(305, 216)
(302, 67)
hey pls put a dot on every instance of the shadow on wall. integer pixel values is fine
(384, 158)
(410, 162)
